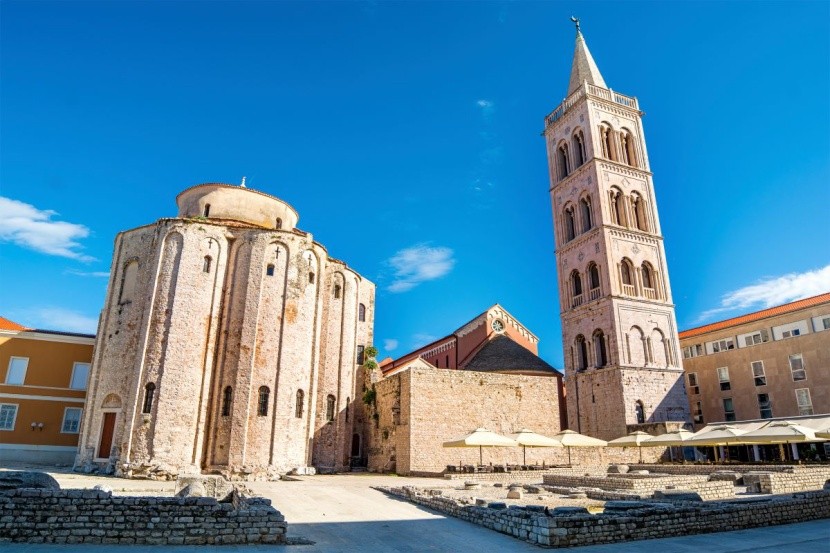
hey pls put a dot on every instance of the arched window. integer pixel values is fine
(311, 278)
(585, 211)
(337, 291)
(149, 394)
(629, 150)
(579, 149)
(563, 161)
(639, 412)
(129, 277)
(625, 275)
(606, 139)
(347, 409)
(576, 283)
(638, 210)
(658, 347)
(207, 210)
(269, 270)
(617, 209)
(206, 264)
(227, 399)
(361, 313)
(262, 406)
(593, 276)
(570, 224)
(330, 407)
(600, 356)
(278, 223)
(298, 407)
(581, 353)
(636, 347)
(648, 281)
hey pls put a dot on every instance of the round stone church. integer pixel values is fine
(229, 342)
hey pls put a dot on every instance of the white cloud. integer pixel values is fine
(30, 227)
(772, 291)
(417, 264)
(99, 274)
(487, 108)
(422, 339)
(58, 318)
(390, 344)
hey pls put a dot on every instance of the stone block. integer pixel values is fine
(567, 511)
(515, 493)
(18, 479)
(618, 469)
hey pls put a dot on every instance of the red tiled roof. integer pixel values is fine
(763, 314)
(6, 324)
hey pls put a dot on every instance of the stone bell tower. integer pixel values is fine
(622, 354)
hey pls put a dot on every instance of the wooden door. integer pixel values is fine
(107, 428)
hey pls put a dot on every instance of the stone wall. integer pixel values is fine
(624, 521)
(646, 486)
(801, 479)
(92, 516)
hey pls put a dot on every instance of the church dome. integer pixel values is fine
(236, 203)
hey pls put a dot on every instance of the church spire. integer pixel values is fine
(584, 68)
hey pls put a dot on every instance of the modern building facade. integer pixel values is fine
(230, 341)
(42, 389)
(622, 355)
(768, 364)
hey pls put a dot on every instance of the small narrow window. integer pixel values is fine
(647, 280)
(278, 224)
(805, 404)
(227, 398)
(448, 361)
(361, 313)
(337, 291)
(587, 222)
(626, 273)
(723, 379)
(593, 276)
(570, 224)
(758, 373)
(330, 407)
(298, 408)
(360, 356)
(311, 278)
(797, 367)
(347, 409)
(765, 406)
(264, 395)
(269, 270)
(640, 412)
(71, 420)
(582, 353)
(206, 264)
(728, 409)
(207, 210)
(149, 394)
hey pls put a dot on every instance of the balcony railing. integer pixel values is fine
(593, 294)
(650, 293)
(628, 290)
(585, 88)
(577, 301)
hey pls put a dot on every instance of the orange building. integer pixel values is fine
(43, 382)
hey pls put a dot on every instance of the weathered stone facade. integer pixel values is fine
(420, 408)
(229, 342)
(622, 356)
(96, 517)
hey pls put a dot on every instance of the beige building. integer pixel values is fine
(485, 373)
(43, 381)
(771, 363)
(229, 341)
(622, 355)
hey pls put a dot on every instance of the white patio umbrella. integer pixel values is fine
(725, 434)
(527, 438)
(569, 439)
(779, 433)
(481, 437)
(670, 439)
(635, 439)
(823, 434)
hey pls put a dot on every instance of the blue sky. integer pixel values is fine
(407, 135)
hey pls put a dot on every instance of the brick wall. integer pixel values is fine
(91, 516)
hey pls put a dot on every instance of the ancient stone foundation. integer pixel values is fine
(624, 520)
(92, 516)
